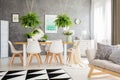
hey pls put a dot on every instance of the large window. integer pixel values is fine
(101, 16)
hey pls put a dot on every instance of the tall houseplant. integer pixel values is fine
(63, 21)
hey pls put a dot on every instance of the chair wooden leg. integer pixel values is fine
(90, 72)
(12, 59)
(56, 59)
(47, 57)
(28, 54)
(68, 57)
(60, 58)
(53, 57)
(38, 58)
(21, 58)
(30, 59)
(71, 58)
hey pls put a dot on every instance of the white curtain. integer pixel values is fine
(101, 16)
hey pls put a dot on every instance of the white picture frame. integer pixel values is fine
(15, 17)
(50, 26)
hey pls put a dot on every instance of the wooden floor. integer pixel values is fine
(72, 71)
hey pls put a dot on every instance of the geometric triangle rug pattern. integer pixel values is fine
(35, 74)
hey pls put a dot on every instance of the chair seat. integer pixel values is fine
(16, 52)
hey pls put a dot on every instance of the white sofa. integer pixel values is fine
(105, 66)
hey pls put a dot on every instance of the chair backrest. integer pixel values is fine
(47, 47)
(11, 47)
(76, 47)
(76, 43)
(56, 46)
(33, 47)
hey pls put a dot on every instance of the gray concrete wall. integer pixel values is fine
(75, 8)
(0, 10)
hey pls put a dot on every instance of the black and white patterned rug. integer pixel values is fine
(37, 74)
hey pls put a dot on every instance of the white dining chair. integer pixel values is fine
(48, 54)
(15, 53)
(56, 49)
(33, 49)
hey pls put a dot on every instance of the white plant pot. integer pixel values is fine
(66, 28)
(68, 38)
(29, 39)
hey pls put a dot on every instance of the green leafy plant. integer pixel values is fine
(29, 35)
(35, 31)
(32, 33)
(45, 37)
(63, 20)
(30, 20)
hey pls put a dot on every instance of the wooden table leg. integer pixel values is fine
(24, 55)
(65, 53)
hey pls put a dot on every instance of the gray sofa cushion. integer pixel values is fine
(98, 62)
(103, 51)
(109, 65)
(115, 56)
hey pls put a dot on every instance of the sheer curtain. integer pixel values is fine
(101, 16)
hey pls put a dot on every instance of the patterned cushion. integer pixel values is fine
(115, 56)
(103, 51)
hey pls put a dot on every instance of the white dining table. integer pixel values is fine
(24, 44)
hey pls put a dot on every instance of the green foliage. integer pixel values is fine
(35, 31)
(29, 35)
(32, 33)
(30, 20)
(63, 20)
(45, 37)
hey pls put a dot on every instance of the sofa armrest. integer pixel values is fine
(90, 53)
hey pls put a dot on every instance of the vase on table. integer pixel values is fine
(69, 38)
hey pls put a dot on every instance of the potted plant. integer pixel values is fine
(32, 33)
(36, 34)
(28, 35)
(68, 34)
(44, 38)
(30, 20)
(63, 21)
